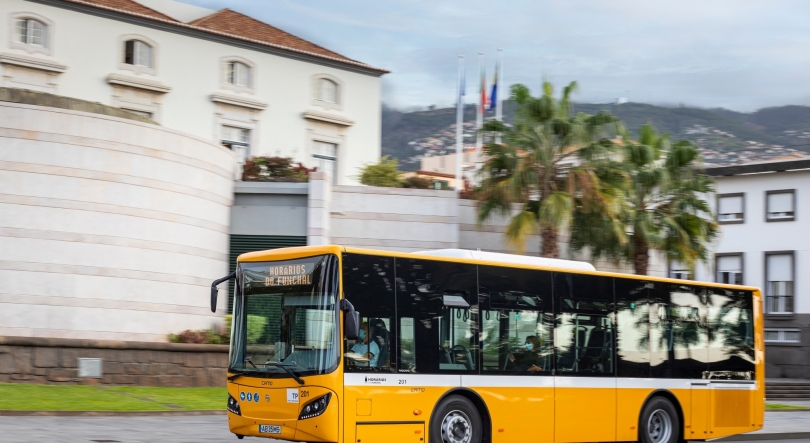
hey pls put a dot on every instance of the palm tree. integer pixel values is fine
(546, 165)
(665, 207)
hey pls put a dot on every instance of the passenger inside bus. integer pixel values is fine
(529, 360)
(365, 352)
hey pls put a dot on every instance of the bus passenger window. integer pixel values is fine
(516, 332)
(455, 340)
(584, 324)
(407, 345)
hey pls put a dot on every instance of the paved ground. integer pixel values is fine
(211, 429)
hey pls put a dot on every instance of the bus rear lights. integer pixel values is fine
(315, 407)
(233, 406)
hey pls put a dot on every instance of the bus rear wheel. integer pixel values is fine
(659, 422)
(456, 420)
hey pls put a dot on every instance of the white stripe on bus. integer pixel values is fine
(537, 381)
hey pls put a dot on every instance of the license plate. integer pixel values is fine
(269, 429)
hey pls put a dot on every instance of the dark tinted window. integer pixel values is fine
(444, 337)
(731, 334)
(633, 327)
(368, 283)
(678, 331)
(516, 320)
(583, 327)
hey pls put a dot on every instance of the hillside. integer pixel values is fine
(727, 137)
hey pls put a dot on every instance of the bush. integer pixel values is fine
(274, 169)
(207, 336)
(384, 174)
(255, 327)
(418, 183)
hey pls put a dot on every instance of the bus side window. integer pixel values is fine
(368, 283)
(407, 345)
(633, 327)
(584, 324)
(516, 321)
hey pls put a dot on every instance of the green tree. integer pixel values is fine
(385, 173)
(664, 209)
(546, 165)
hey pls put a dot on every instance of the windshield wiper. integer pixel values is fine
(248, 360)
(286, 367)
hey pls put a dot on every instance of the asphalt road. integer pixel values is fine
(177, 429)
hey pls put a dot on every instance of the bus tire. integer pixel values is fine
(659, 422)
(456, 420)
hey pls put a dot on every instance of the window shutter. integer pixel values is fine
(731, 205)
(780, 202)
(129, 52)
(241, 244)
(731, 263)
(780, 267)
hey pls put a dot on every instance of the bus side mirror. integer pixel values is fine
(352, 325)
(214, 289)
(351, 317)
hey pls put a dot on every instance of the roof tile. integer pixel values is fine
(131, 6)
(232, 22)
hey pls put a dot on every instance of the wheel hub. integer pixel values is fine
(456, 428)
(659, 426)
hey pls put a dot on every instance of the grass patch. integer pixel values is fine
(778, 406)
(24, 397)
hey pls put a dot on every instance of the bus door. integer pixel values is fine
(585, 383)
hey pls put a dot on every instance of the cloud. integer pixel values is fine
(742, 54)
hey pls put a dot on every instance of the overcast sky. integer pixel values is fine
(737, 54)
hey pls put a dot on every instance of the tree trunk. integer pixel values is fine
(548, 243)
(641, 254)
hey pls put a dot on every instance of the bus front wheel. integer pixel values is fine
(659, 422)
(456, 420)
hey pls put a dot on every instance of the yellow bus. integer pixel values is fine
(340, 344)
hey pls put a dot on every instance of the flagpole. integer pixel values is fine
(501, 86)
(479, 137)
(459, 122)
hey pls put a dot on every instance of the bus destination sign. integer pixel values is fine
(288, 275)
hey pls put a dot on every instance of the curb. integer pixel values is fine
(107, 413)
(768, 436)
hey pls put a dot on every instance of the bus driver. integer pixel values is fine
(366, 348)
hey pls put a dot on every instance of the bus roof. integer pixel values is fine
(510, 258)
(519, 260)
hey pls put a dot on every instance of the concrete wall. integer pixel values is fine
(54, 361)
(193, 71)
(394, 219)
(109, 228)
(260, 208)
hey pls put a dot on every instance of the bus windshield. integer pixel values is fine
(285, 318)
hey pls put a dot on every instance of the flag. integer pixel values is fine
(493, 97)
(483, 90)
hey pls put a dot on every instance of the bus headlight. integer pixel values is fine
(233, 405)
(315, 407)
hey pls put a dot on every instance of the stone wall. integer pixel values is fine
(54, 361)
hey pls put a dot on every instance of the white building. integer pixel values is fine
(218, 75)
(763, 209)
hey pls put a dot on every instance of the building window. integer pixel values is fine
(138, 53)
(680, 274)
(328, 91)
(731, 208)
(233, 136)
(781, 335)
(325, 159)
(779, 282)
(31, 32)
(780, 205)
(729, 269)
(238, 74)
